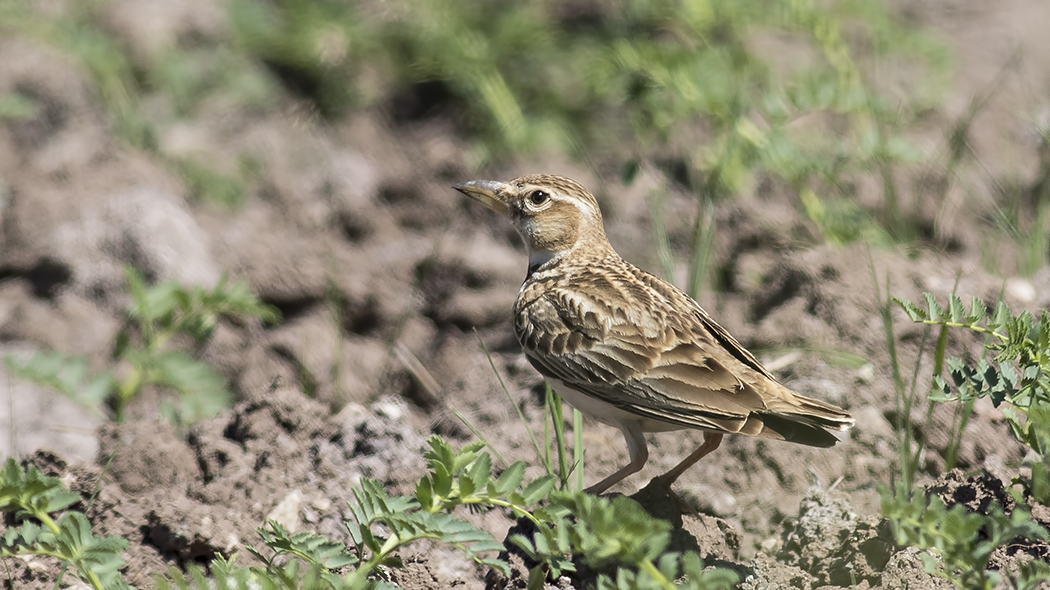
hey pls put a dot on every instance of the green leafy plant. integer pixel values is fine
(1014, 369)
(1012, 374)
(384, 525)
(617, 533)
(292, 561)
(958, 543)
(46, 527)
(617, 536)
(144, 353)
(226, 574)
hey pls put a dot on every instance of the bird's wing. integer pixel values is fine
(642, 345)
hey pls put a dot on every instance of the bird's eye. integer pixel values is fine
(538, 198)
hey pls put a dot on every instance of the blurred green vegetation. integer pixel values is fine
(144, 354)
(719, 96)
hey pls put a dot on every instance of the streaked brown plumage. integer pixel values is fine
(628, 348)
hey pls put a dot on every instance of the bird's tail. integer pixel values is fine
(804, 420)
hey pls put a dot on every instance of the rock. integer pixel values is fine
(823, 524)
(863, 555)
(767, 574)
(905, 571)
(286, 513)
(148, 228)
(382, 443)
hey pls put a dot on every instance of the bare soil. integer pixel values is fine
(392, 287)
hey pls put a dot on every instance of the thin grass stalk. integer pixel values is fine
(663, 242)
(902, 426)
(478, 434)
(577, 449)
(513, 403)
(962, 417)
(902, 398)
(556, 413)
(548, 421)
(703, 244)
(920, 448)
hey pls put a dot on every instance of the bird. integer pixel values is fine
(628, 348)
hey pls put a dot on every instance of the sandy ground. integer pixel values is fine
(392, 286)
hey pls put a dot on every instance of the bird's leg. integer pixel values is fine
(711, 442)
(639, 453)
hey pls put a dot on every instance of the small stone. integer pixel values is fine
(389, 410)
(34, 564)
(866, 374)
(287, 512)
(351, 412)
(1020, 289)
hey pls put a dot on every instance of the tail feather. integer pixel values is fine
(784, 428)
(804, 420)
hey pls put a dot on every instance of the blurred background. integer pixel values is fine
(202, 201)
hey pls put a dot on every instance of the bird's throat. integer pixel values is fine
(539, 258)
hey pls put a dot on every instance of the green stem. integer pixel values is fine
(46, 519)
(647, 566)
(557, 418)
(85, 572)
(577, 448)
(361, 574)
(485, 500)
(126, 390)
(975, 328)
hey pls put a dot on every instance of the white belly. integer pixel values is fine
(606, 412)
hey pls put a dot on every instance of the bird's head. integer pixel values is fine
(554, 215)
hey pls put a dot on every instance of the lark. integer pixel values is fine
(628, 348)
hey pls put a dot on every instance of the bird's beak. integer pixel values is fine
(488, 192)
